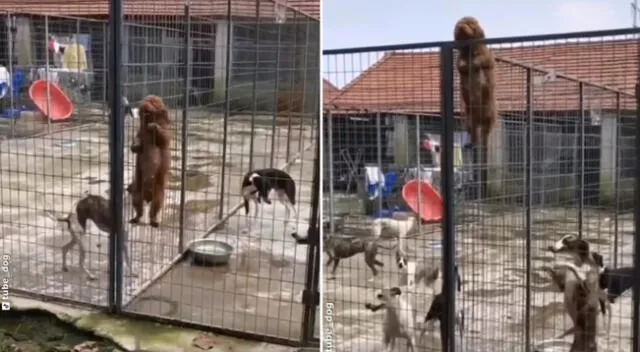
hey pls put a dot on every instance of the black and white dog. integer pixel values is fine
(258, 184)
(437, 310)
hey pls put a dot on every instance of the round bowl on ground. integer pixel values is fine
(210, 252)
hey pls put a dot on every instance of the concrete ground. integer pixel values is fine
(31, 123)
(52, 172)
(260, 291)
(491, 246)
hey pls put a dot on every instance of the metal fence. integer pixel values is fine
(240, 81)
(560, 160)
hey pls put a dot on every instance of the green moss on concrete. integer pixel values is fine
(152, 336)
(40, 330)
(122, 332)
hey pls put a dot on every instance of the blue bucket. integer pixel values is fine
(10, 114)
(383, 213)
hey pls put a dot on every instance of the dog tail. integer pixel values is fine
(246, 206)
(290, 191)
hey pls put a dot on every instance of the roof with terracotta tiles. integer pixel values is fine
(209, 8)
(411, 81)
(329, 90)
(309, 7)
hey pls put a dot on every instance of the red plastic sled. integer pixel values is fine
(60, 106)
(430, 208)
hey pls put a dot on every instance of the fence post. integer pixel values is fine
(46, 69)
(254, 88)
(276, 96)
(636, 238)
(447, 324)
(616, 183)
(116, 156)
(227, 107)
(105, 70)
(292, 85)
(185, 108)
(305, 64)
(379, 159)
(581, 145)
(529, 205)
(332, 211)
(144, 43)
(10, 43)
(75, 91)
(311, 294)
(418, 169)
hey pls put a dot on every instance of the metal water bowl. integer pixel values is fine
(210, 252)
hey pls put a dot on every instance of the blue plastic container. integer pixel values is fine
(10, 114)
(383, 213)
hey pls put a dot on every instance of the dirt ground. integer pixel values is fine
(51, 172)
(491, 255)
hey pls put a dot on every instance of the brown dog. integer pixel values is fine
(94, 208)
(153, 159)
(476, 66)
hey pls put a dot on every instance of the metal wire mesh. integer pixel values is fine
(240, 81)
(47, 165)
(558, 161)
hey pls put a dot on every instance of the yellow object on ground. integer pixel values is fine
(457, 156)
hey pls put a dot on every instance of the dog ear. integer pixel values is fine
(395, 291)
(261, 185)
(562, 243)
(162, 117)
(568, 238)
(401, 260)
(458, 278)
(433, 275)
(582, 246)
(246, 205)
(598, 259)
(143, 113)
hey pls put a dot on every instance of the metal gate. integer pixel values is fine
(240, 85)
(560, 160)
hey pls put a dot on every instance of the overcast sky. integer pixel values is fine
(348, 23)
(354, 23)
